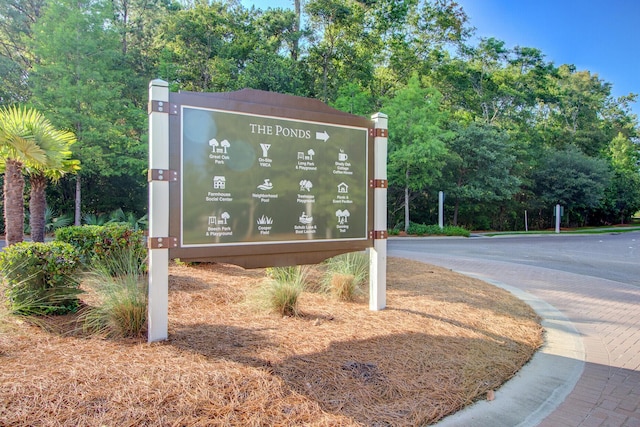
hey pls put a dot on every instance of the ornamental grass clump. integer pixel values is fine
(284, 287)
(119, 285)
(345, 275)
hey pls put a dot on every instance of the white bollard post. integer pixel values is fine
(441, 209)
(158, 305)
(378, 253)
(557, 218)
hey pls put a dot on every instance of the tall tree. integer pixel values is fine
(622, 196)
(337, 52)
(20, 131)
(16, 20)
(416, 140)
(479, 167)
(85, 92)
(204, 48)
(56, 145)
(572, 179)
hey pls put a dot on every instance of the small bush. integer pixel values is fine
(99, 243)
(451, 230)
(345, 275)
(435, 230)
(83, 238)
(39, 278)
(283, 289)
(121, 287)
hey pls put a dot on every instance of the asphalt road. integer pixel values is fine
(612, 256)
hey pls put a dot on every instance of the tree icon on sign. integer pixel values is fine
(306, 185)
(343, 216)
(224, 217)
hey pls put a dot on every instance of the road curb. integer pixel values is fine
(542, 384)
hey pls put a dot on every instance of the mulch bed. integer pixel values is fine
(444, 341)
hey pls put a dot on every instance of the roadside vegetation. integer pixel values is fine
(431, 230)
(500, 129)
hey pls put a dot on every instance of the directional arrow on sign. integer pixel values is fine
(324, 136)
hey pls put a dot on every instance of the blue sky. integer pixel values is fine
(600, 36)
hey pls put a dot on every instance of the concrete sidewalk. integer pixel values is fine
(588, 373)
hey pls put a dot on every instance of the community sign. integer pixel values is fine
(267, 179)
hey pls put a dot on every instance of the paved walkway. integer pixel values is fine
(606, 316)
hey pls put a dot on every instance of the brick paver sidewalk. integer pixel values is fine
(607, 315)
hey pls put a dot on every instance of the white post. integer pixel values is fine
(158, 308)
(557, 218)
(441, 209)
(526, 221)
(378, 253)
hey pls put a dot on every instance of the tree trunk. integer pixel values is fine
(37, 207)
(13, 202)
(296, 43)
(455, 212)
(78, 219)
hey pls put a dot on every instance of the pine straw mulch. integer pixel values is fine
(443, 341)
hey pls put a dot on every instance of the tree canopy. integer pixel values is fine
(485, 122)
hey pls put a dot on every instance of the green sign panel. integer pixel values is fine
(253, 179)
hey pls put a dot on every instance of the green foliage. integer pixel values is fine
(435, 230)
(572, 179)
(283, 289)
(478, 169)
(416, 139)
(121, 286)
(92, 95)
(97, 244)
(345, 275)
(413, 60)
(40, 278)
(93, 219)
(52, 221)
(452, 230)
(129, 218)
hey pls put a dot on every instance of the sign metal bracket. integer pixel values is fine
(163, 107)
(378, 234)
(378, 183)
(378, 132)
(162, 175)
(162, 242)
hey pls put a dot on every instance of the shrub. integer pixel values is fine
(98, 243)
(451, 230)
(283, 289)
(120, 284)
(39, 278)
(83, 238)
(346, 274)
(435, 230)
(422, 229)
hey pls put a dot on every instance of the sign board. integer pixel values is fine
(267, 179)
(261, 179)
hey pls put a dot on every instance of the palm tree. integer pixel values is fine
(39, 176)
(26, 138)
